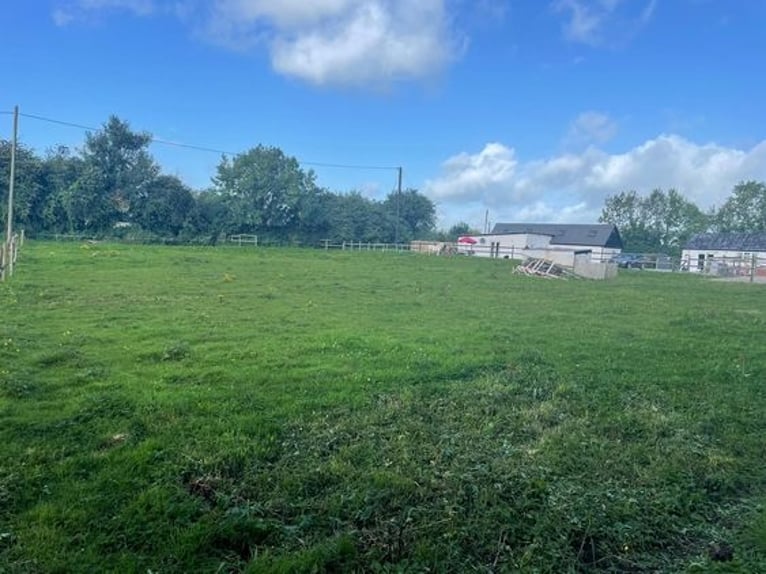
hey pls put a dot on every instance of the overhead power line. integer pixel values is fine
(206, 148)
(59, 122)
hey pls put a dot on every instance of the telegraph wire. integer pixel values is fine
(59, 122)
(209, 149)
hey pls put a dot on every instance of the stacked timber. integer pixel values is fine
(537, 267)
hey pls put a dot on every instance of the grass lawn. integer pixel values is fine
(181, 409)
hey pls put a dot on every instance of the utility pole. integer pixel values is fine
(11, 184)
(398, 208)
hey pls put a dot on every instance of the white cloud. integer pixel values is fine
(591, 127)
(540, 211)
(342, 42)
(597, 22)
(139, 7)
(584, 21)
(61, 17)
(286, 13)
(84, 9)
(472, 176)
(360, 43)
(647, 12)
(572, 186)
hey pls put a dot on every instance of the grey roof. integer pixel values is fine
(591, 235)
(728, 241)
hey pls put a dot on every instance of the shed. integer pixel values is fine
(709, 251)
(555, 241)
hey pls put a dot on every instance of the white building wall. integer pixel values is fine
(500, 246)
(701, 260)
(522, 245)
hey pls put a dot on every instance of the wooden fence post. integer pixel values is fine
(753, 265)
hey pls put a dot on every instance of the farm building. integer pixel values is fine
(556, 242)
(724, 253)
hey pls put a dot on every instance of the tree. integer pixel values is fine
(626, 210)
(315, 216)
(164, 205)
(61, 169)
(414, 213)
(87, 206)
(660, 222)
(745, 210)
(28, 188)
(117, 172)
(672, 219)
(458, 230)
(207, 219)
(354, 217)
(263, 189)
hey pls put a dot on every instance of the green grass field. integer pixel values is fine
(187, 409)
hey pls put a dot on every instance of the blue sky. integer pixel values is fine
(534, 110)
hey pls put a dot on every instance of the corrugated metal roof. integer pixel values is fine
(593, 235)
(728, 241)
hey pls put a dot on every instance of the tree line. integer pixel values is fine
(113, 186)
(663, 221)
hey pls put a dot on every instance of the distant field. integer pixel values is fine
(180, 409)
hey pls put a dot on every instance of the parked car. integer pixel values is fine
(629, 260)
(654, 261)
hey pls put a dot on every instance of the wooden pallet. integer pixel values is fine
(535, 267)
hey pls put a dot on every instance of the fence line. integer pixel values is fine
(9, 253)
(752, 267)
(66, 237)
(245, 239)
(745, 267)
(328, 244)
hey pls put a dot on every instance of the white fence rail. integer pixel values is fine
(328, 244)
(752, 267)
(244, 239)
